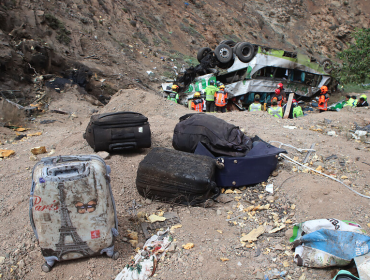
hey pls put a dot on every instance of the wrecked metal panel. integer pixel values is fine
(261, 85)
(263, 60)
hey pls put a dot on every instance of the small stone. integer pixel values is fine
(2, 260)
(21, 264)
(172, 247)
(33, 157)
(104, 155)
(270, 198)
(289, 233)
(232, 276)
(218, 212)
(148, 201)
(201, 258)
(274, 173)
(259, 275)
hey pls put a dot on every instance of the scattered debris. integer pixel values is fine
(34, 134)
(6, 153)
(150, 228)
(363, 266)
(19, 137)
(145, 262)
(313, 242)
(270, 188)
(253, 235)
(154, 218)
(290, 126)
(39, 150)
(188, 246)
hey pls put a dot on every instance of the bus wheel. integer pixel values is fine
(236, 46)
(223, 53)
(230, 43)
(327, 64)
(245, 52)
(202, 53)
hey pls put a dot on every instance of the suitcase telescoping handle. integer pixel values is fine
(117, 113)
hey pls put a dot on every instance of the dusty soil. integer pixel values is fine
(298, 196)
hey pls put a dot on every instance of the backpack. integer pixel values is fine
(218, 136)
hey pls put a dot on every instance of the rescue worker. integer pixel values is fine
(221, 99)
(210, 96)
(297, 111)
(197, 103)
(323, 100)
(282, 92)
(349, 101)
(278, 96)
(174, 96)
(256, 105)
(363, 101)
(354, 97)
(275, 110)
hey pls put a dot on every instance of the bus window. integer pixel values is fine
(312, 80)
(282, 73)
(265, 72)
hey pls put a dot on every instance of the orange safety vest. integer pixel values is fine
(323, 103)
(221, 97)
(279, 99)
(197, 105)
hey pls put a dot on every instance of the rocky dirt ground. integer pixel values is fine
(298, 195)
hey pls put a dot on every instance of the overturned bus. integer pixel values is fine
(267, 67)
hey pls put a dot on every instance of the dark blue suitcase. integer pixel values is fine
(251, 169)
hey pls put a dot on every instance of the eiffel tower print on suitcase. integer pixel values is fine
(72, 209)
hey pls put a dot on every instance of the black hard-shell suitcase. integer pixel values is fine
(114, 132)
(178, 177)
(251, 169)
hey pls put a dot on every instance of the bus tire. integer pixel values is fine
(202, 53)
(230, 43)
(223, 53)
(327, 64)
(245, 52)
(236, 46)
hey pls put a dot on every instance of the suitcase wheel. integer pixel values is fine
(115, 255)
(45, 267)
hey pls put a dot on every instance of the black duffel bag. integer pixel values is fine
(220, 137)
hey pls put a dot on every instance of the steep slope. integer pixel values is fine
(105, 45)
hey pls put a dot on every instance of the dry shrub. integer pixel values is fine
(11, 115)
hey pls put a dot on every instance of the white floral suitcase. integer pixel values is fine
(72, 210)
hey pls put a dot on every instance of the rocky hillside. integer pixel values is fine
(105, 45)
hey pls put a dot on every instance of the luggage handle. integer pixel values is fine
(117, 113)
(122, 146)
(66, 171)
